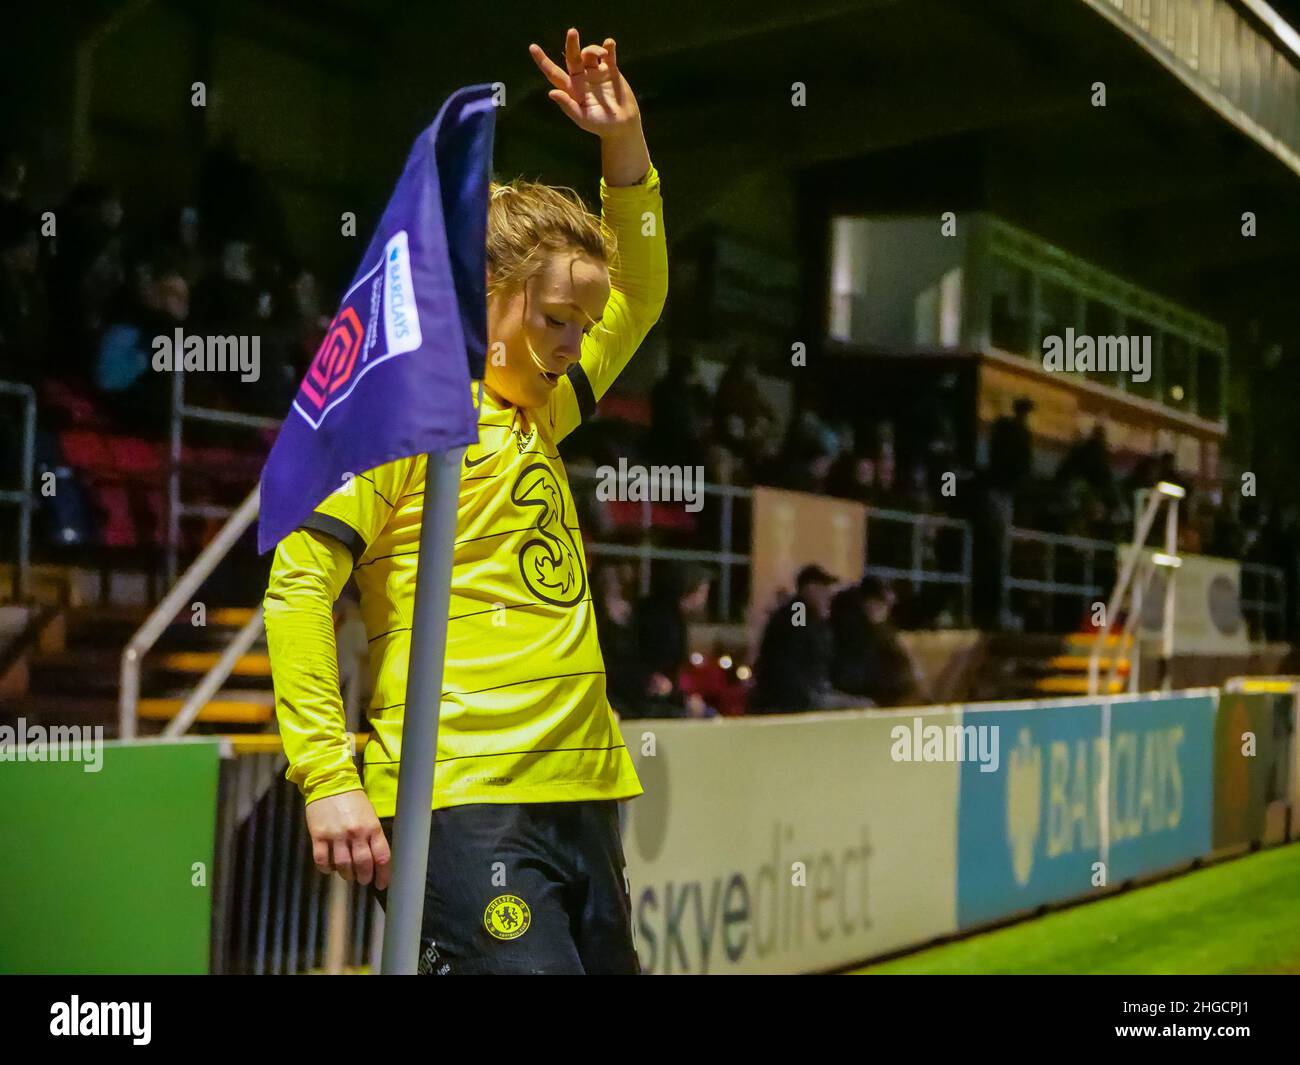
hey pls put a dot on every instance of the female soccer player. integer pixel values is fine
(526, 871)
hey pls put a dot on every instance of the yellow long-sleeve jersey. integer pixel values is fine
(524, 716)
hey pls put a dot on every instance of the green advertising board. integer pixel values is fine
(108, 854)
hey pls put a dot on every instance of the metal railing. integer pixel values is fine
(730, 562)
(1131, 584)
(273, 912)
(22, 497)
(919, 526)
(1258, 606)
(177, 508)
(647, 553)
(1094, 559)
(238, 521)
(1262, 591)
(165, 612)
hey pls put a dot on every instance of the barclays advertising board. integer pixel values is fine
(1161, 783)
(1059, 819)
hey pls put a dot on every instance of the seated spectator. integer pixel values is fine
(625, 680)
(868, 658)
(742, 418)
(853, 474)
(138, 396)
(679, 593)
(793, 671)
(87, 271)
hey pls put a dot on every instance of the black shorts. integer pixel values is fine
(525, 888)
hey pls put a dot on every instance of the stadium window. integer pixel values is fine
(1058, 310)
(1138, 330)
(1009, 315)
(1102, 319)
(1179, 383)
(1209, 384)
(848, 267)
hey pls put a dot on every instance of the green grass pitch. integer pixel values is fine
(1239, 916)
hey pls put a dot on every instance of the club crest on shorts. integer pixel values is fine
(507, 917)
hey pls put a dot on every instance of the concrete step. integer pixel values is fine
(1079, 663)
(1075, 686)
(230, 708)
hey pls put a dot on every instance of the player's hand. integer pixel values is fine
(346, 838)
(590, 90)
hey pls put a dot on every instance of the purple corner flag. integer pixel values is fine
(392, 377)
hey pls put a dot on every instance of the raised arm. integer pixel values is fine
(594, 94)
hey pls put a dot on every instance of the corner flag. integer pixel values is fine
(392, 377)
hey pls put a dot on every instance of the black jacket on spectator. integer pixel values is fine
(625, 678)
(793, 671)
(661, 635)
(868, 659)
(1011, 454)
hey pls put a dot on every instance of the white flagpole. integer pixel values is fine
(420, 721)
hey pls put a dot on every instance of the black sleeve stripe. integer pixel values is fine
(582, 390)
(340, 530)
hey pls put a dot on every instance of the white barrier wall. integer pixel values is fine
(767, 845)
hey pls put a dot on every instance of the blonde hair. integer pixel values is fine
(526, 220)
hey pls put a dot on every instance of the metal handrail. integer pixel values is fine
(1165, 493)
(1127, 638)
(1088, 547)
(176, 507)
(163, 614)
(1270, 576)
(22, 498)
(727, 559)
(724, 558)
(216, 676)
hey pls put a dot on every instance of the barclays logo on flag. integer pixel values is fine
(401, 315)
(343, 359)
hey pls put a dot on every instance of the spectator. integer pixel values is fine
(1088, 461)
(741, 417)
(23, 312)
(625, 680)
(1087, 484)
(89, 264)
(805, 466)
(680, 592)
(1011, 451)
(868, 658)
(138, 396)
(853, 473)
(793, 671)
